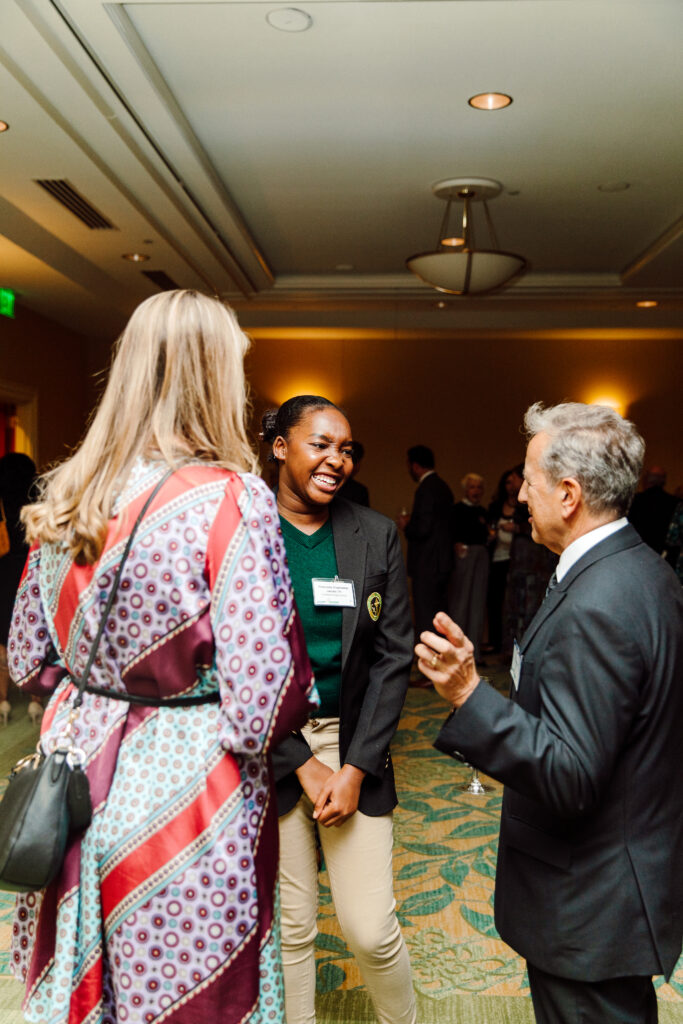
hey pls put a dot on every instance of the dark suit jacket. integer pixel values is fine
(376, 660)
(589, 882)
(650, 513)
(429, 531)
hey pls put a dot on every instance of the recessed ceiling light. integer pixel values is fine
(647, 304)
(614, 186)
(289, 19)
(135, 257)
(490, 100)
(4, 127)
(441, 305)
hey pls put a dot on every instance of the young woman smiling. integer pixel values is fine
(335, 782)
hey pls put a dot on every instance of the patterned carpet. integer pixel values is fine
(445, 850)
(444, 861)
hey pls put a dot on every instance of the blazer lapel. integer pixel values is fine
(548, 606)
(351, 550)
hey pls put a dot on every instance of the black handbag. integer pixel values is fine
(48, 795)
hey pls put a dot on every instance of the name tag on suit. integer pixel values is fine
(516, 666)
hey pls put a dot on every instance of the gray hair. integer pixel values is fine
(471, 476)
(592, 444)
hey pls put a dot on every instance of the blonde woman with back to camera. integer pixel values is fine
(165, 907)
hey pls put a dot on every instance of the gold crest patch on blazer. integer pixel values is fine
(375, 605)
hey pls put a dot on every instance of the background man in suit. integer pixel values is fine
(589, 885)
(428, 530)
(653, 508)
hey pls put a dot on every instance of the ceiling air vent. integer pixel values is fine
(68, 196)
(160, 279)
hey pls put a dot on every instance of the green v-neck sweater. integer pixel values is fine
(312, 556)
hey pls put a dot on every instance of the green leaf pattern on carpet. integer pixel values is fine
(444, 864)
(445, 845)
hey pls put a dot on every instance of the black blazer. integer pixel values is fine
(429, 532)
(376, 660)
(589, 882)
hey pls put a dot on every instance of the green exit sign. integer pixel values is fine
(6, 302)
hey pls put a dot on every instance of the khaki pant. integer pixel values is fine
(358, 857)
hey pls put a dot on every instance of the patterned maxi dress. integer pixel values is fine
(166, 908)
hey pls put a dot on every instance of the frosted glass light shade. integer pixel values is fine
(466, 272)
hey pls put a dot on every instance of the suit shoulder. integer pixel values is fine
(444, 488)
(634, 577)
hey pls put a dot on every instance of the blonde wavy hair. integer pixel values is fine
(176, 391)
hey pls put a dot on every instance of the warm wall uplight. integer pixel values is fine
(305, 386)
(490, 101)
(610, 399)
(647, 304)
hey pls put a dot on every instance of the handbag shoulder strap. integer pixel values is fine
(82, 682)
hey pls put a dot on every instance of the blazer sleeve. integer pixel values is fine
(290, 754)
(389, 673)
(590, 681)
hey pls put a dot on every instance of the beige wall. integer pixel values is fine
(465, 398)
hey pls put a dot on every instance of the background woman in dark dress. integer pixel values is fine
(335, 780)
(531, 566)
(469, 578)
(507, 517)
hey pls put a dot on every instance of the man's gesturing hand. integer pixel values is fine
(448, 661)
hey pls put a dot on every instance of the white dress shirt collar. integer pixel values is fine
(579, 547)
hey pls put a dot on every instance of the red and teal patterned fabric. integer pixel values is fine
(166, 909)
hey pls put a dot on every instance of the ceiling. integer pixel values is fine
(291, 172)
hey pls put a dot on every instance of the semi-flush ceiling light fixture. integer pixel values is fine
(465, 269)
(490, 101)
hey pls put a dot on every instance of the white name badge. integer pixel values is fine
(516, 666)
(334, 593)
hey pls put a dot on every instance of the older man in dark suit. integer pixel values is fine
(589, 885)
(429, 533)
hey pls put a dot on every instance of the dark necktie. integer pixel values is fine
(552, 583)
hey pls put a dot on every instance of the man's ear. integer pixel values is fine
(572, 495)
(280, 448)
